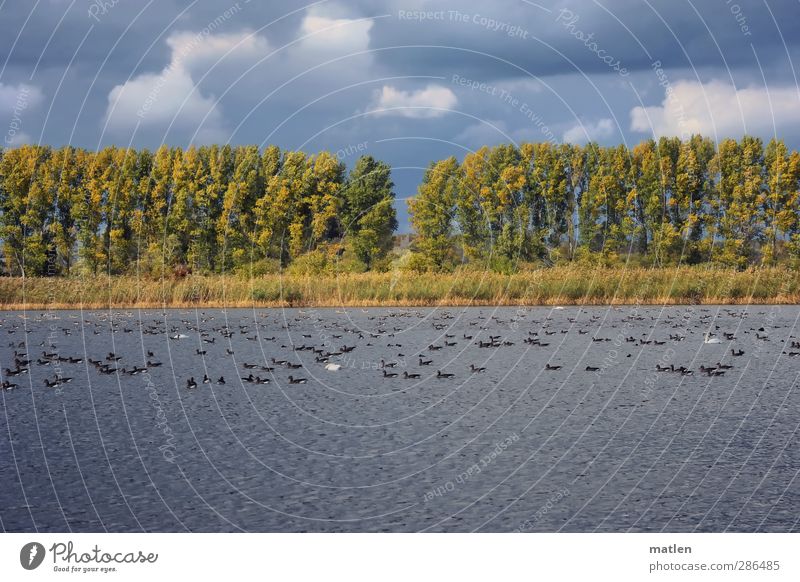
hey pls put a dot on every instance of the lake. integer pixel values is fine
(568, 426)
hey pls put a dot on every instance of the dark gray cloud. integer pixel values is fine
(386, 72)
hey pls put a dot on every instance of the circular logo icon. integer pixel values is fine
(31, 555)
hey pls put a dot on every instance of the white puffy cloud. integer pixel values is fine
(329, 53)
(15, 102)
(209, 69)
(719, 109)
(432, 101)
(338, 35)
(584, 132)
(172, 98)
(19, 97)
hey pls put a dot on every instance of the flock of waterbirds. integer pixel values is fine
(335, 341)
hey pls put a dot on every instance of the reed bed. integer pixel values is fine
(555, 286)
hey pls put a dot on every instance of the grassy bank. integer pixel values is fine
(556, 286)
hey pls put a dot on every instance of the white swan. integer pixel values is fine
(333, 367)
(707, 339)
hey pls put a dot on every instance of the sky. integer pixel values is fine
(406, 81)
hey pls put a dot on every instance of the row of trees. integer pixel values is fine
(737, 204)
(207, 209)
(222, 208)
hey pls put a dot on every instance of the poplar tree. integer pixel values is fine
(368, 216)
(433, 210)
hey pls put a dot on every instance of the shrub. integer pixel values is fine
(311, 263)
(418, 263)
(266, 266)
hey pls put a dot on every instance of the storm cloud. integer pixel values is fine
(414, 80)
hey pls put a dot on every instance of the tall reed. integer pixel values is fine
(555, 286)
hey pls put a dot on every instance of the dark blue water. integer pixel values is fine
(515, 447)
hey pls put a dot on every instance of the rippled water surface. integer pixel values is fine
(515, 447)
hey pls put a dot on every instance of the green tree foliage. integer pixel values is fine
(368, 216)
(433, 212)
(207, 209)
(221, 208)
(665, 202)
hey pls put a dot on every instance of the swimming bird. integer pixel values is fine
(206, 379)
(424, 362)
(333, 367)
(549, 367)
(190, 383)
(221, 380)
(592, 369)
(57, 381)
(440, 374)
(297, 380)
(476, 370)
(737, 353)
(389, 374)
(408, 376)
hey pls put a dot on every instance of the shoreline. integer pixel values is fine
(567, 286)
(714, 302)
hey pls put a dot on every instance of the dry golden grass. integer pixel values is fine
(571, 285)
